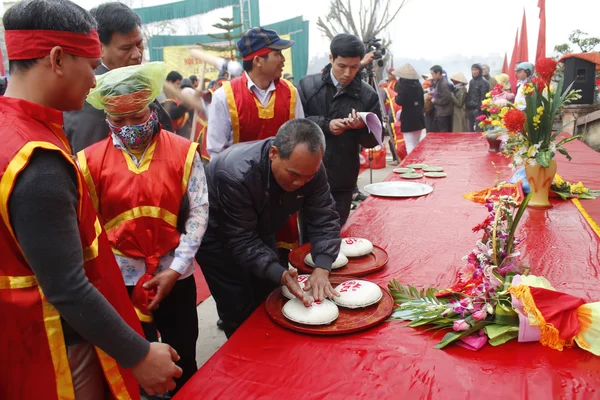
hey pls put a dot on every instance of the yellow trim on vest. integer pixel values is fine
(58, 350)
(293, 98)
(15, 166)
(17, 282)
(141, 316)
(267, 112)
(145, 162)
(113, 375)
(92, 252)
(587, 216)
(187, 171)
(139, 212)
(89, 180)
(233, 113)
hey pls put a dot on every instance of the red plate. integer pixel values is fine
(349, 320)
(357, 266)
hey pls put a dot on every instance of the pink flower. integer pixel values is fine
(479, 315)
(460, 325)
(494, 110)
(481, 117)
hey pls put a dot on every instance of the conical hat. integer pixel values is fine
(406, 71)
(459, 77)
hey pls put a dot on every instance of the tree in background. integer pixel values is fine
(228, 50)
(578, 42)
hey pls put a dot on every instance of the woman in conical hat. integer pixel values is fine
(149, 189)
(411, 98)
(459, 117)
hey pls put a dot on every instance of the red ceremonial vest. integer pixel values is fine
(250, 120)
(180, 122)
(32, 348)
(200, 136)
(139, 205)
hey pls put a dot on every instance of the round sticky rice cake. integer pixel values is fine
(320, 313)
(339, 262)
(302, 279)
(357, 293)
(355, 247)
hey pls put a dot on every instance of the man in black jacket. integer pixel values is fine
(254, 187)
(478, 87)
(120, 32)
(332, 99)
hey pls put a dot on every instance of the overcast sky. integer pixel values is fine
(438, 28)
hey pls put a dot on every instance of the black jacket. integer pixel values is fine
(478, 87)
(247, 208)
(322, 103)
(411, 98)
(87, 126)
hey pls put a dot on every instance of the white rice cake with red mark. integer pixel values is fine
(355, 247)
(302, 279)
(319, 313)
(357, 293)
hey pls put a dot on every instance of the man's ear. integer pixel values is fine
(273, 153)
(331, 58)
(57, 56)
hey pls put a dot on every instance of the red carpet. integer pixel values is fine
(202, 291)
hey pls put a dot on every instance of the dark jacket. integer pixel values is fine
(322, 103)
(87, 126)
(442, 106)
(247, 208)
(411, 98)
(478, 87)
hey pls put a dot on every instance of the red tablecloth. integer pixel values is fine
(426, 239)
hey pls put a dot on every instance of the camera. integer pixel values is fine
(373, 44)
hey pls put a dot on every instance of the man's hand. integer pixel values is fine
(338, 126)
(290, 280)
(164, 283)
(156, 371)
(320, 285)
(355, 121)
(368, 58)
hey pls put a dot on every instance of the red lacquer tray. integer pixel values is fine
(349, 321)
(357, 266)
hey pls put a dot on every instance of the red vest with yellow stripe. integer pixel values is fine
(32, 347)
(200, 133)
(250, 120)
(181, 121)
(139, 205)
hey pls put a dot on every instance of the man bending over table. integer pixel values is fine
(253, 189)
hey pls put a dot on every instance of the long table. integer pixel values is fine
(426, 239)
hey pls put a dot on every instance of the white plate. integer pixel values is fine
(398, 189)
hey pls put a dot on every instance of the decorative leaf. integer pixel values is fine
(543, 157)
(513, 227)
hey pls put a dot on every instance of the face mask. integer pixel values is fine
(135, 136)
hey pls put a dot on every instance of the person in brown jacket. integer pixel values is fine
(441, 97)
(459, 117)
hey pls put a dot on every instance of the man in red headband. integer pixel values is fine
(72, 331)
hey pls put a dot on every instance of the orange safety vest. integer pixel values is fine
(180, 122)
(392, 84)
(139, 205)
(32, 346)
(390, 101)
(250, 120)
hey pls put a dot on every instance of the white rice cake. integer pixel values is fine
(355, 247)
(357, 293)
(302, 279)
(339, 262)
(319, 313)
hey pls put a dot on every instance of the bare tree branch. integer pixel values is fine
(390, 20)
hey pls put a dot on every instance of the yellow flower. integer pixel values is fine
(488, 95)
(496, 123)
(578, 188)
(540, 110)
(558, 180)
(532, 151)
(528, 88)
(503, 111)
(487, 101)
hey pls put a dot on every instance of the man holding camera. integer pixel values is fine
(333, 100)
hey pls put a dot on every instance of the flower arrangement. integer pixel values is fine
(494, 301)
(495, 106)
(567, 190)
(530, 140)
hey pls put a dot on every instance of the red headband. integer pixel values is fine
(30, 44)
(260, 52)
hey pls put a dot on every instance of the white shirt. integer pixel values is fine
(181, 259)
(520, 101)
(220, 133)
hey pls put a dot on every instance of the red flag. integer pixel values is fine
(513, 64)
(505, 65)
(2, 71)
(541, 44)
(523, 48)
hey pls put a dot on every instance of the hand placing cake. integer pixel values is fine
(302, 279)
(355, 247)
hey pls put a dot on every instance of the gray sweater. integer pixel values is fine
(43, 211)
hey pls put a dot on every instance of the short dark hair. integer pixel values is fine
(477, 66)
(193, 78)
(174, 76)
(299, 131)
(247, 64)
(436, 69)
(346, 45)
(52, 15)
(114, 17)
(185, 82)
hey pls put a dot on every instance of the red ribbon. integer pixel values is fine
(260, 52)
(31, 44)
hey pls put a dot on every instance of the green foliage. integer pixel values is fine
(227, 51)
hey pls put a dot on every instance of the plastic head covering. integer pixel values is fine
(128, 90)
(504, 80)
(525, 66)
